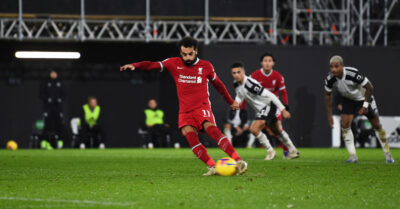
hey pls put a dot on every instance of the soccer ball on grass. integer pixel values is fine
(12, 145)
(226, 166)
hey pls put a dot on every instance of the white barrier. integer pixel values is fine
(389, 123)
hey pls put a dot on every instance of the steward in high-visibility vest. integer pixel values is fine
(91, 115)
(156, 130)
(91, 131)
(159, 133)
(154, 117)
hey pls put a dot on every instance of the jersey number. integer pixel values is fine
(206, 113)
(263, 111)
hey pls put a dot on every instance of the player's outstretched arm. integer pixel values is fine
(328, 106)
(283, 92)
(276, 101)
(235, 105)
(368, 94)
(128, 66)
(286, 114)
(219, 85)
(285, 97)
(145, 65)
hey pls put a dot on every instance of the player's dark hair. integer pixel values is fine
(91, 98)
(188, 42)
(52, 70)
(237, 64)
(267, 54)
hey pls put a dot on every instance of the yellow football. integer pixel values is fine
(12, 145)
(226, 166)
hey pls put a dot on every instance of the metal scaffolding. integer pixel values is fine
(323, 22)
(329, 22)
(370, 29)
(120, 30)
(143, 30)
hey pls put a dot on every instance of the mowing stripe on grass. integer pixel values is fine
(69, 201)
(326, 161)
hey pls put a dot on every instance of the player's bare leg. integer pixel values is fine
(285, 139)
(381, 135)
(198, 149)
(224, 144)
(255, 129)
(284, 147)
(348, 137)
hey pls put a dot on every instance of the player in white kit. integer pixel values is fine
(265, 103)
(358, 99)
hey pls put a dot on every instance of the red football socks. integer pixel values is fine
(198, 149)
(285, 148)
(222, 142)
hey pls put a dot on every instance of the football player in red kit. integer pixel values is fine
(274, 82)
(191, 76)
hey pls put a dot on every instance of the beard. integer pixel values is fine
(189, 62)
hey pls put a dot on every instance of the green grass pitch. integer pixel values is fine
(168, 178)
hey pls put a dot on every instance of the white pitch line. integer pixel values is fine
(70, 201)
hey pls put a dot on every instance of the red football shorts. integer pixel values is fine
(196, 118)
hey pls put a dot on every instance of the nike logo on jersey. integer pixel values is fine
(179, 68)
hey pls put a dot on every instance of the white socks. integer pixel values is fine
(228, 134)
(262, 138)
(348, 138)
(284, 138)
(251, 141)
(381, 134)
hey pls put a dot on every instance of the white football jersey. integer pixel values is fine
(351, 85)
(255, 95)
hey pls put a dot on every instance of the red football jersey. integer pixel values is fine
(273, 81)
(191, 81)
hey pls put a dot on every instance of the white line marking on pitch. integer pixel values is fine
(70, 201)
